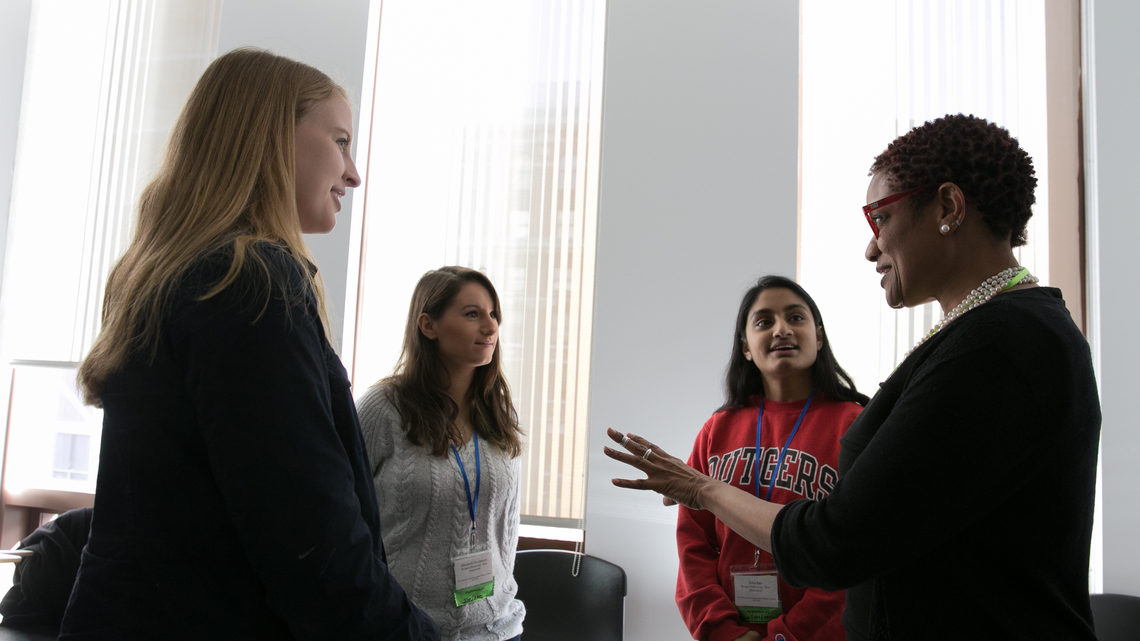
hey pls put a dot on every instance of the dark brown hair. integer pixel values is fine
(418, 386)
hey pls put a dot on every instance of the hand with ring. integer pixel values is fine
(667, 475)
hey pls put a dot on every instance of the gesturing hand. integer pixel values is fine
(667, 475)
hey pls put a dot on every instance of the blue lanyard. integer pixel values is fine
(780, 460)
(472, 503)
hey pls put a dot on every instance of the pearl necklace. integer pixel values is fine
(1000, 281)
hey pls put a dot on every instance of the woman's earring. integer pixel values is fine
(945, 229)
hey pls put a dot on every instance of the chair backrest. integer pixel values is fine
(41, 582)
(562, 606)
(1116, 617)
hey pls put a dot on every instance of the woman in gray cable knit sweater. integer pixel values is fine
(443, 439)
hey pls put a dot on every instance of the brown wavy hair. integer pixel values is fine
(418, 385)
(228, 180)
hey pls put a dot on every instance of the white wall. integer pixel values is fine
(14, 17)
(329, 35)
(1113, 167)
(698, 198)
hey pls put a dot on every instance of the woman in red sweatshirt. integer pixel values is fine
(787, 402)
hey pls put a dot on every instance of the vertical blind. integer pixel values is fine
(893, 65)
(104, 81)
(482, 151)
(980, 57)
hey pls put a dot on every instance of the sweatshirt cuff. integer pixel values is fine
(727, 631)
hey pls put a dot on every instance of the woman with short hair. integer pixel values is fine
(965, 501)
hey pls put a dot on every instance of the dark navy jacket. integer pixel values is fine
(234, 499)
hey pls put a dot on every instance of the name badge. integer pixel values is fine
(756, 593)
(474, 577)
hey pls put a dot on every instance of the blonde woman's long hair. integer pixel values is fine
(228, 179)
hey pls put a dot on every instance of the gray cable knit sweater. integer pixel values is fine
(425, 523)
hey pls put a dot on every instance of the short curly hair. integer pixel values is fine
(983, 159)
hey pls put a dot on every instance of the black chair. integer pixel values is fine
(562, 605)
(1116, 617)
(41, 582)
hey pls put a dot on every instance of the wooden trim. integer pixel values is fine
(24, 511)
(1066, 197)
(54, 501)
(530, 543)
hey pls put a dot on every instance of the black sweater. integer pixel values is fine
(965, 502)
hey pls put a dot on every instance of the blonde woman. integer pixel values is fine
(443, 438)
(233, 498)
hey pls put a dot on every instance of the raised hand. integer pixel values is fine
(666, 475)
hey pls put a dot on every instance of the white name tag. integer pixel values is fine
(756, 590)
(473, 569)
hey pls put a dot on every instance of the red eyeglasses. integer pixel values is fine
(883, 202)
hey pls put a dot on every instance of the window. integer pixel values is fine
(103, 84)
(482, 151)
(55, 434)
(893, 65)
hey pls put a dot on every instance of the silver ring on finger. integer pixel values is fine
(648, 452)
(625, 442)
